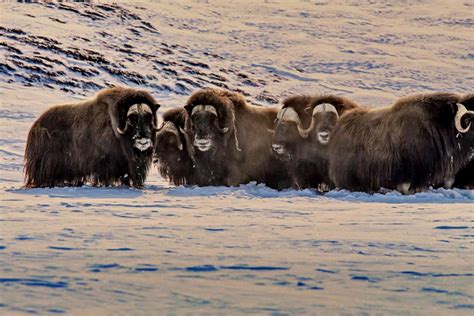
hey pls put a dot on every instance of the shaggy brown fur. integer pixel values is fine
(306, 158)
(171, 156)
(73, 144)
(242, 153)
(409, 146)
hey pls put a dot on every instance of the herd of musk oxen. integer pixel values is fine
(217, 138)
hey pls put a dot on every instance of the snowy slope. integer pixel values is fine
(230, 250)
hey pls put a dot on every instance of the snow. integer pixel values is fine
(246, 249)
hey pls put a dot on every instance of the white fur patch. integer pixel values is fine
(204, 108)
(142, 144)
(323, 137)
(203, 144)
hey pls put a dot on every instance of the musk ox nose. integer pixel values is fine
(203, 144)
(278, 148)
(323, 137)
(143, 144)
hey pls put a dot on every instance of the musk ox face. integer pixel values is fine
(139, 127)
(285, 139)
(324, 119)
(287, 134)
(203, 127)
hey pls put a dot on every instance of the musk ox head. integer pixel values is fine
(168, 137)
(139, 127)
(323, 119)
(204, 124)
(133, 117)
(287, 134)
(170, 154)
(210, 121)
(169, 147)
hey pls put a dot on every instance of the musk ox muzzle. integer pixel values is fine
(278, 148)
(203, 144)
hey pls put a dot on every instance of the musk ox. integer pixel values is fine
(227, 139)
(103, 141)
(421, 141)
(171, 155)
(301, 136)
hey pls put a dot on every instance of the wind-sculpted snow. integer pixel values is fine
(246, 249)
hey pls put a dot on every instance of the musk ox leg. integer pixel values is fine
(404, 188)
(138, 170)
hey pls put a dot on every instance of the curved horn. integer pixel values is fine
(187, 125)
(457, 119)
(304, 133)
(155, 122)
(161, 127)
(135, 108)
(122, 131)
(320, 108)
(184, 130)
(290, 115)
(154, 128)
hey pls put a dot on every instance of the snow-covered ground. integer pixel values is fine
(230, 250)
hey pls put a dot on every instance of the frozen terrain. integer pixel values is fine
(238, 250)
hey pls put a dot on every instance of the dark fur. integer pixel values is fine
(414, 141)
(174, 164)
(225, 164)
(306, 159)
(74, 144)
